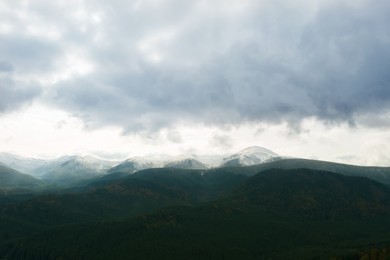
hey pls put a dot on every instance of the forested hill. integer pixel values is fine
(276, 214)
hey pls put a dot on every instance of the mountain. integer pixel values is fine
(136, 164)
(22, 164)
(12, 181)
(380, 174)
(187, 163)
(61, 169)
(132, 165)
(71, 170)
(75, 170)
(249, 156)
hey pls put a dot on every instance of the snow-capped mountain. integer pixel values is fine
(187, 163)
(249, 156)
(22, 164)
(135, 164)
(72, 169)
(132, 165)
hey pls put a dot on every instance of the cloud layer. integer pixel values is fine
(147, 65)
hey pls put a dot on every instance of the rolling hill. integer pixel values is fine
(380, 174)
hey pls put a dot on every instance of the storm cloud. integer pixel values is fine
(146, 65)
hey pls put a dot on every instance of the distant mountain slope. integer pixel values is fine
(136, 164)
(12, 180)
(71, 170)
(22, 164)
(187, 163)
(380, 174)
(249, 156)
(131, 165)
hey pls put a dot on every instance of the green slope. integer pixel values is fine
(117, 199)
(13, 181)
(318, 194)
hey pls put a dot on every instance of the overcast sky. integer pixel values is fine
(304, 78)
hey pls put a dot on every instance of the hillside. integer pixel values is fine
(380, 174)
(278, 214)
(141, 192)
(319, 194)
(13, 181)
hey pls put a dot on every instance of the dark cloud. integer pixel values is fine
(161, 63)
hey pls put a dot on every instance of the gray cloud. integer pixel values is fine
(223, 141)
(6, 66)
(160, 63)
(15, 94)
(174, 137)
(29, 54)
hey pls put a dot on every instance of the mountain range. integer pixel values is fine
(72, 170)
(254, 204)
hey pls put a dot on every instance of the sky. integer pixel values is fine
(303, 78)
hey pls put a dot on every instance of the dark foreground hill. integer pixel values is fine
(277, 214)
(106, 200)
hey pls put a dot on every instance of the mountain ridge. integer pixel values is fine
(73, 170)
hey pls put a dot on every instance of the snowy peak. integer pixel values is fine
(89, 162)
(135, 164)
(72, 169)
(76, 168)
(257, 150)
(249, 156)
(187, 163)
(132, 165)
